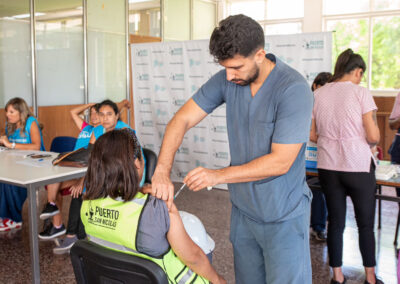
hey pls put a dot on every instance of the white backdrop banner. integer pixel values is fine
(166, 75)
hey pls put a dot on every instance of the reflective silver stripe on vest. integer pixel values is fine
(110, 244)
(186, 277)
(140, 201)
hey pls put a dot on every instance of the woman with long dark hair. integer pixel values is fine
(344, 127)
(116, 214)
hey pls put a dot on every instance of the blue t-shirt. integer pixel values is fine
(84, 137)
(100, 130)
(25, 138)
(280, 112)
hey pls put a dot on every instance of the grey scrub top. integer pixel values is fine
(280, 113)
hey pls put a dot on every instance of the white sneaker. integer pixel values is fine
(8, 224)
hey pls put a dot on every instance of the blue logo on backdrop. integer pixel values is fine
(160, 112)
(194, 88)
(200, 164)
(221, 155)
(198, 139)
(147, 123)
(157, 63)
(176, 51)
(158, 88)
(142, 53)
(177, 77)
(310, 76)
(287, 60)
(178, 102)
(194, 62)
(145, 101)
(143, 77)
(313, 44)
(218, 128)
(183, 150)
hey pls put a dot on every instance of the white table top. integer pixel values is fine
(17, 168)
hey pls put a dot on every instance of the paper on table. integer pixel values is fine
(39, 163)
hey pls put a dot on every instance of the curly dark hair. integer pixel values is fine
(237, 34)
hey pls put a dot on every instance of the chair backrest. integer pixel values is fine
(63, 144)
(151, 162)
(95, 264)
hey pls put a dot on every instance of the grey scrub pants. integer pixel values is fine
(271, 253)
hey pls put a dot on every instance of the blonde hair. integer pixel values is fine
(22, 107)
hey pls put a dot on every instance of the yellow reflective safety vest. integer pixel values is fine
(114, 224)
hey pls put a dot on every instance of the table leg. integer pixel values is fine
(33, 233)
(379, 207)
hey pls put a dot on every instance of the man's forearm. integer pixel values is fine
(273, 164)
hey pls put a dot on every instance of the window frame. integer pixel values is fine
(371, 15)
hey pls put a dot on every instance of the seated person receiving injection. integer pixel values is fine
(140, 222)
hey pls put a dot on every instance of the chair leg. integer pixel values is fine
(397, 228)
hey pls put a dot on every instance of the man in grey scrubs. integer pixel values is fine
(268, 111)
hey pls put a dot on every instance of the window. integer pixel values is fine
(372, 29)
(273, 15)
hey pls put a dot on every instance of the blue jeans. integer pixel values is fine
(12, 199)
(319, 212)
(271, 252)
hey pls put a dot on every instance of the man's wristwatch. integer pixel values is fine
(13, 145)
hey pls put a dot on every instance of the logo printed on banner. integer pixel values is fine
(157, 63)
(147, 123)
(310, 76)
(287, 60)
(182, 161)
(218, 128)
(183, 150)
(143, 77)
(161, 124)
(178, 102)
(158, 88)
(177, 77)
(160, 112)
(160, 134)
(195, 88)
(219, 141)
(193, 62)
(142, 53)
(199, 139)
(221, 155)
(145, 101)
(313, 44)
(200, 164)
(176, 51)
(157, 51)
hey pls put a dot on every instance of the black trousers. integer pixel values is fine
(75, 225)
(361, 188)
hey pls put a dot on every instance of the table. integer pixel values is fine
(33, 177)
(393, 182)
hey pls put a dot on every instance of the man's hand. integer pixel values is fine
(200, 178)
(162, 187)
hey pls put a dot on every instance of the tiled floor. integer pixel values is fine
(213, 208)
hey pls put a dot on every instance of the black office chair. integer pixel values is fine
(151, 162)
(96, 264)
